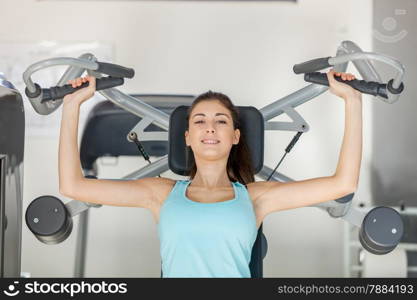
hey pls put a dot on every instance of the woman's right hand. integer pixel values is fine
(83, 94)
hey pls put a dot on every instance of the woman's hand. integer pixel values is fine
(83, 94)
(341, 89)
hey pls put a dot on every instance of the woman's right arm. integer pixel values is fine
(72, 183)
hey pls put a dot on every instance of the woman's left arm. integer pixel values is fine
(271, 196)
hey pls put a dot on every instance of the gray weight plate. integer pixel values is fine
(48, 218)
(381, 230)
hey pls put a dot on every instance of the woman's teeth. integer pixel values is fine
(210, 141)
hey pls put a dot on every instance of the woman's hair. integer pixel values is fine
(239, 164)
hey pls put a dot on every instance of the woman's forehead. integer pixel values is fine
(210, 108)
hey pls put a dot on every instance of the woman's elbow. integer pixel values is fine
(69, 187)
(65, 191)
(350, 188)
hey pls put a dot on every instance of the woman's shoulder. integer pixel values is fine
(163, 182)
(163, 187)
(257, 188)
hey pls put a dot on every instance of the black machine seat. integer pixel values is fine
(252, 127)
(107, 127)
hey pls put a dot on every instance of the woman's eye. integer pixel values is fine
(201, 121)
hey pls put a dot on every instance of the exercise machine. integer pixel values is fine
(12, 138)
(50, 220)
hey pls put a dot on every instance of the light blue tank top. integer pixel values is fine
(206, 239)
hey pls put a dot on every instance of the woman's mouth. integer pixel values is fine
(210, 141)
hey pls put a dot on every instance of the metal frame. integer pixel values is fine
(3, 168)
(347, 51)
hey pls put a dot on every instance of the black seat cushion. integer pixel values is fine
(252, 127)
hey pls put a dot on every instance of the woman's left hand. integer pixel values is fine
(341, 89)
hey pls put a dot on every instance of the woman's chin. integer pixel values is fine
(211, 154)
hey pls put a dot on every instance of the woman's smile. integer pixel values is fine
(210, 142)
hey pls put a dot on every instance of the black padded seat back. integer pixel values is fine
(252, 127)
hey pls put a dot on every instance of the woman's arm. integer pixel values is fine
(138, 193)
(69, 159)
(350, 156)
(274, 196)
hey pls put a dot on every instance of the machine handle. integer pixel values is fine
(58, 92)
(312, 65)
(366, 87)
(115, 70)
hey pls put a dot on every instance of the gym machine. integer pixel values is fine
(381, 229)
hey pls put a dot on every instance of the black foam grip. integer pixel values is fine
(59, 92)
(115, 70)
(366, 87)
(312, 65)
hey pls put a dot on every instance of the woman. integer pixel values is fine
(207, 225)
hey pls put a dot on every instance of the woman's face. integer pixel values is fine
(211, 134)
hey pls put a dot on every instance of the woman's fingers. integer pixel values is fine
(92, 82)
(345, 76)
(78, 81)
(330, 76)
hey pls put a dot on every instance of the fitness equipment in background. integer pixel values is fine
(378, 240)
(12, 139)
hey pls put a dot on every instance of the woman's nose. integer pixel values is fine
(210, 127)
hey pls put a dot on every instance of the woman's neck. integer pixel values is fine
(211, 182)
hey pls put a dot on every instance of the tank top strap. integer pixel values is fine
(242, 190)
(176, 191)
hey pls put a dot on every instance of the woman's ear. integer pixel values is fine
(186, 138)
(237, 137)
